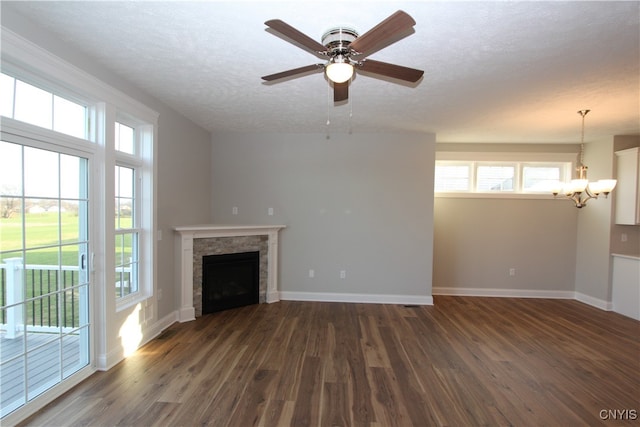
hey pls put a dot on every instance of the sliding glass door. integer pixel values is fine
(44, 268)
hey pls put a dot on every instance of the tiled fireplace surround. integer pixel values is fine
(194, 242)
(227, 245)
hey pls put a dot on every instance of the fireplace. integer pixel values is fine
(230, 281)
(192, 242)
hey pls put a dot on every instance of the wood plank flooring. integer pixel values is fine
(465, 361)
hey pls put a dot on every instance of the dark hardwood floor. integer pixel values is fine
(465, 361)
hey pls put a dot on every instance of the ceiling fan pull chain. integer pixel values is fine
(350, 114)
(328, 109)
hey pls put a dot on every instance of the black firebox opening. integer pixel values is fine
(230, 281)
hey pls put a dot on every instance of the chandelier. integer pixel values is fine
(580, 190)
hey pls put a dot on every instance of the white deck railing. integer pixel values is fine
(14, 303)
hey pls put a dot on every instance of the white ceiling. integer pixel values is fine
(494, 71)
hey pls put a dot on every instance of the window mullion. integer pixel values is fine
(13, 106)
(473, 179)
(53, 111)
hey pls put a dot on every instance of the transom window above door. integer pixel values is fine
(31, 104)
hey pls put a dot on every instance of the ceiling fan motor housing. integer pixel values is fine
(338, 39)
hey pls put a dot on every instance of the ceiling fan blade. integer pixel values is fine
(394, 24)
(295, 35)
(391, 70)
(340, 91)
(293, 72)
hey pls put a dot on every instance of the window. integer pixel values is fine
(452, 177)
(495, 178)
(124, 138)
(126, 233)
(540, 177)
(132, 218)
(126, 221)
(30, 104)
(500, 174)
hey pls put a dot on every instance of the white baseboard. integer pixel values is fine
(108, 360)
(187, 314)
(525, 293)
(504, 293)
(104, 362)
(595, 302)
(357, 298)
(158, 327)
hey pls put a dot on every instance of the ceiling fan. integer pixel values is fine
(346, 51)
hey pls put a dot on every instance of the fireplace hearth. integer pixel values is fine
(230, 281)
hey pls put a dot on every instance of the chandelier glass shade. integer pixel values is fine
(580, 190)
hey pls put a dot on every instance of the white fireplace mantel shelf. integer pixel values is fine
(184, 238)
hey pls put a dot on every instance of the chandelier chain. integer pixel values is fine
(582, 113)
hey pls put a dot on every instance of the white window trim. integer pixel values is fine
(33, 64)
(502, 158)
(142, 163)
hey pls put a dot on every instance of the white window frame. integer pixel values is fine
(38, 137)
(566, 161)
(134, 230)
(33, 64)
(141, 161)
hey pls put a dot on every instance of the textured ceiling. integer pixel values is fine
(494, 71)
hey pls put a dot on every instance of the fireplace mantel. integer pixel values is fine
(184, 237)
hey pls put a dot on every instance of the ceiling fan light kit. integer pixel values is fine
(345, 51)
(337, 40)
(339, 70)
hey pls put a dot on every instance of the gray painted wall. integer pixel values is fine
(184, 193)
(477, 241)
(593, 256)
(362, 203)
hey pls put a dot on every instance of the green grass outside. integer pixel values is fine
(45, 229)
(41, 229)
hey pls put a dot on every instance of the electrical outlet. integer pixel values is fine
(343, 274)
(234, 210)
(312, 274)
(270, 211)
(623, 237)
(512, 271)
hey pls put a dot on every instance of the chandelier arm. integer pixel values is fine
(589, 197)
(577, 197)
(578, 201)
(590, 194)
